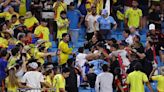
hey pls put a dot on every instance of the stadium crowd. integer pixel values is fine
(122, 46)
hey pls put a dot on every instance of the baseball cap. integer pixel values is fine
(33, 65)
(40, 41)
(151, 27)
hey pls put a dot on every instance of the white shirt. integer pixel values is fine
(33, 79)
(104, 82)
(81, 59)
(129, 40)
(107, 6)
(123, 54)
(91, 23)
(68, 1)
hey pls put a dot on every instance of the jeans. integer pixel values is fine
(74, 33)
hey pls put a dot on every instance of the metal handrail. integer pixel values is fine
(36, 89)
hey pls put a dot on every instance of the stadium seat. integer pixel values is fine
(51, 37)
(120, 37)
(114, 36)
(143, 38)
(54, 44)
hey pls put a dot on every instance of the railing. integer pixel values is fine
(36, 90)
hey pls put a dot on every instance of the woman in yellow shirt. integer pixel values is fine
(12, 82)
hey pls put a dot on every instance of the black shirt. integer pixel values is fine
(91, 79)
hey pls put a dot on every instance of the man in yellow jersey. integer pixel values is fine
(59, 80)
(133, 15)
(14, 21)
(63, 24)
(30, 21)
(7, 15)
(65, 51)
(136, 79)
(159, 79)
(42, 31)
(58, 6)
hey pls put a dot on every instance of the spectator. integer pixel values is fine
(22, 8)
(99, 5)
(3, 41)
(123, 53)
(21, 38)
(30, 21)
(137, 45)
(50, 73)
(133, 16)
(3, 65)
(155, 36)
(75, 23)
(158, 78)
(147, 58)
(33, 78)
(134, 60)
(60, 80)
(105, 22)
(42, 52)
(21, 20)
(136, 80)
(36, 8)
(154, 17)
(65, 51)
(6, 27)
(58, 6)
(118, 80)
(91, 78)
(12, 81)
(128, 37)
(90, 21)
(104, 80)
(63, 24)
(7, 15)
(95, 39)
(71, 81)
(83, 58)
(133, 31)
(42, 31)
(15, 55)
(14, 21)
(110, 42)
